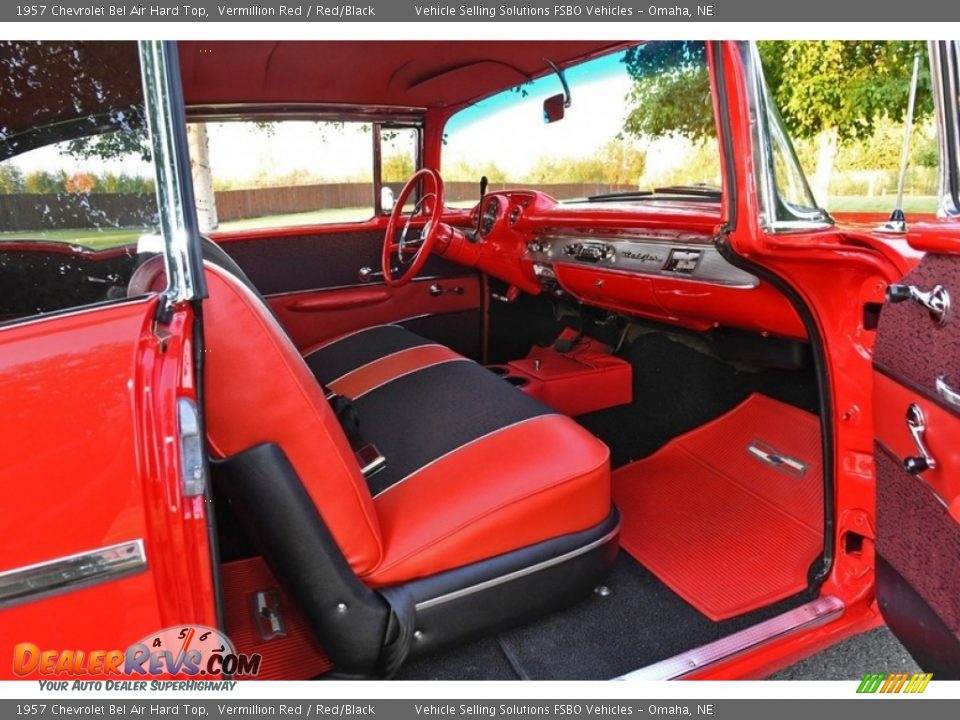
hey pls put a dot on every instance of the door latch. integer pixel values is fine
(436, 290)
(937, 301)
(917, 424)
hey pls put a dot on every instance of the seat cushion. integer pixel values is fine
(475, 468)
(529, 482)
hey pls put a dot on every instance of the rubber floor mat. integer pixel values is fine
(730, 515)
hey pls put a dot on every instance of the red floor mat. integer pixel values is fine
(730, 515)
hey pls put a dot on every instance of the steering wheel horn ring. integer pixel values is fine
(431, 202)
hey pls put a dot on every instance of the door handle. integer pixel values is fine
(937, 301)
(946, 392)
(367, 273)
(436, 290)
(917, 424)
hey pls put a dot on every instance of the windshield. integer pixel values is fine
(641, 121)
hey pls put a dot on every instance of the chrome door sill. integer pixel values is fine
(805, 617)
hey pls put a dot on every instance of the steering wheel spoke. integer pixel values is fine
(412, 251)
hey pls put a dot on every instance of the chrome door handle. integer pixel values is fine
(917, 424)
(937, 301)
(367, 273)
(946, 392)
(436, 290)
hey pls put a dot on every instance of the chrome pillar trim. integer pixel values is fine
(945, 79)
(71, 572)
(760, 104)
(522, 572)
(799, 619)
(155, 61)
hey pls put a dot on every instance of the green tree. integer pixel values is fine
(616, 162)
(397, 168)
(836, 91)
(11, 179)
(830, 91)
(123, 183)
(670, 94)
(117, 145)
(41, 182)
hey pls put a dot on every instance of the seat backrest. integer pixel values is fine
(258, 389)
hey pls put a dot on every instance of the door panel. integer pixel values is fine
(918, 513)
(311, 280)
(312, 318)
(89, 398)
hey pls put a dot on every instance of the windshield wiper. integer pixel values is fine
(628, 195)
(695, 191)
(704, 191)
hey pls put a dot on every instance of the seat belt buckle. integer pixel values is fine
(370, 459)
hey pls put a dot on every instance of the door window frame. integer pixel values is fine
(380, 119)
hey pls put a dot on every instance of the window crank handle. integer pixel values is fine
(917, 425)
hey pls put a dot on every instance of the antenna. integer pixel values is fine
(898, 221)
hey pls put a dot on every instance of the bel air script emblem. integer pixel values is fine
(644, 257)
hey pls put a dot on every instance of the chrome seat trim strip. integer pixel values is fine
(522, 572)
(64, 574)
(799, 619)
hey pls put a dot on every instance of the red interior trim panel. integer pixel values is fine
(314, 317)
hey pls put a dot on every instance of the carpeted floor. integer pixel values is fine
(640, 621)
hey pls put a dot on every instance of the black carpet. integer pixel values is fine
(641, 621)
(677, 388)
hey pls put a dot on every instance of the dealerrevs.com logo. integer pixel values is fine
(187, 652)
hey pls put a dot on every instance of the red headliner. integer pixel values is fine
(421, 74)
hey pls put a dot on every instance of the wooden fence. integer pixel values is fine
(75, 210)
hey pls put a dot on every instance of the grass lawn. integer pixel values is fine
(884, 204)
(112, 237)
(94, 239)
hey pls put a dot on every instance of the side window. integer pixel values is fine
(77, 199)
(399, 160)
(251, 174)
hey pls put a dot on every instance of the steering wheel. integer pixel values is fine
(413, 253)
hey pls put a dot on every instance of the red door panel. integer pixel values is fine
(312, 318)
(311, 278)
(89, 399)
(918, 500)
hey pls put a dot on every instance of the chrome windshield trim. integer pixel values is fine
(64, 574)
(803, 218)
(803, 618)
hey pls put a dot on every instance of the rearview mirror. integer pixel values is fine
(554, 108)
(387, 199)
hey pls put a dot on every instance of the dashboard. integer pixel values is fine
(654, 259)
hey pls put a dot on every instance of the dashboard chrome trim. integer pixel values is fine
(643, 255)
